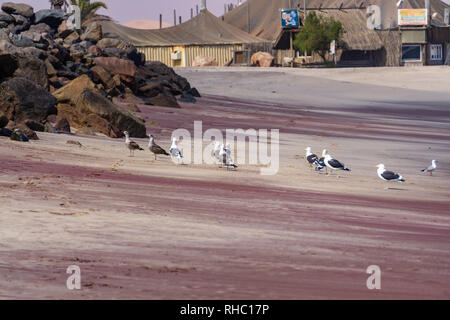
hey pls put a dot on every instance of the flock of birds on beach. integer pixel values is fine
(222, 154)
(327, 161)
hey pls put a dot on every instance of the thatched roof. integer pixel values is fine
(356, 35)
(203, 29)
(265, 15)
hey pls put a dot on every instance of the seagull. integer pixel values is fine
(175, 153)
(131, 144)
(334, 164)
(225, 156)
(154, 148)
(388, 175)
(321, 162)
(217, 148)
(311, 157)
(431, 168)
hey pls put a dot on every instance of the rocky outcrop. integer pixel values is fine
(22, 99)
(81, 103)
(41, 56)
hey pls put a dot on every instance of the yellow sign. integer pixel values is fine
(412, 17)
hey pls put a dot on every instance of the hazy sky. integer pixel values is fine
(127, 10)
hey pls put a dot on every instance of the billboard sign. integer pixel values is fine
(412, 17)
(290, 19)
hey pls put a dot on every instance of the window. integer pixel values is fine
(412, 53)
(436, 52)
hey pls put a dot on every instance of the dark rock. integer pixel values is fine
(5, 132)
(7, 18)
(8, 65)
(51, 17)
(19, 19)
(3, 121)
(3, 24)
(21, 99)
(34, 125)
(33, 69)
(194, 92)
(93, 33)
(117, 66)
(41, 28)
(187, 97)
(18, 8)
(62, 125)
(18, 135)
(163, 99)
(30, 134)
(35, 36)
(23, 42)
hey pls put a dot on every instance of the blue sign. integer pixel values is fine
(290, 19)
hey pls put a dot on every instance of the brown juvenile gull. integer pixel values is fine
(154, 148)
(131, 144)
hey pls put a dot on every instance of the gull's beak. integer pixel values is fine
(376, 166)
(323, 157)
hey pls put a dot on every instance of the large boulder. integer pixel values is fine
(83, 106)
(7, 18)
(33, 69)
(53, 18)
(93, 33)
(262, 59)
(8, 64)
(18, 8)
(163, 99)
(21, 99)
(202, 61)
(117, 66)
(70, 91)
(3, 121)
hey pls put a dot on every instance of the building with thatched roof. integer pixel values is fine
(204, 35)
(384, 45)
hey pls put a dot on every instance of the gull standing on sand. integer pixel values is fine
(334, 164)
(321, 162)
(154, 148)
(431, 168)
(225, 156)
(388, 175)
(175, 153)
(311, 158)
(131, 144)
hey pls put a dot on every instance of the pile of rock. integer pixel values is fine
(53, 78)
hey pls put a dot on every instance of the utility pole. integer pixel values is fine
(160, 21)
(196, 7)
(174, 17)
(248, 16)
(192, 13)
(180, 20)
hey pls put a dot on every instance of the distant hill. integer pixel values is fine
(145, 24)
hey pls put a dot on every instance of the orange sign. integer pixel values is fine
(412, 17)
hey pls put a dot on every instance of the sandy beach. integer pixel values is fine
(145, 229)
